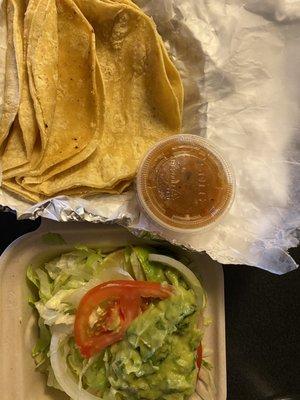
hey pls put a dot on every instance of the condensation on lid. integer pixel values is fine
(185, 184)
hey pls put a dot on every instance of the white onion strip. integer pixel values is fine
(62, 373)
(186, 272)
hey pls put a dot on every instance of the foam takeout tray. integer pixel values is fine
(18, 378)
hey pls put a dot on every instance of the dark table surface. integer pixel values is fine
(262, 325)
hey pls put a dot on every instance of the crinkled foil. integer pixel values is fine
(240, 62)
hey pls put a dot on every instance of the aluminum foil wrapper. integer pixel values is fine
(240, 62)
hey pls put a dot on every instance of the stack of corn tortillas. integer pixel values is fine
(89, 87)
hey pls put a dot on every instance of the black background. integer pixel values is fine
(262, 325)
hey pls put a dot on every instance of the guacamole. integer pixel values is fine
(156, 359)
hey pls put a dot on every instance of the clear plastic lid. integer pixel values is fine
(185, 184)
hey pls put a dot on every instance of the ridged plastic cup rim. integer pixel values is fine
(186, 139)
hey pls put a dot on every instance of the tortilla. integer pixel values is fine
(19, 155)
(142, 103)
(13, 156)
(104, 90)
(13, 187)
(43, 15)
(41, 21)
(26, 112)
(31, 181)
(26, 119)
(11, 86)
(62, 69)
(85, 191)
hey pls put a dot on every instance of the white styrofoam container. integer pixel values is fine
(18, 378)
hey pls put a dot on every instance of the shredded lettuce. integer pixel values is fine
(92, 374)
(59, 278)
(41, 348)
(57, 287)
(151, 271)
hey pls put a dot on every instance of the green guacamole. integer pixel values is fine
(156, 359)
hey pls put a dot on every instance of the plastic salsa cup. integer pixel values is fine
(184, 184)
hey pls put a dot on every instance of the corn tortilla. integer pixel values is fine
(11, 85)
(26, 113)
(102, 90)
(13, 156)
(67, 74)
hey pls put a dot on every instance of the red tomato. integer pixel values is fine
(199, 356)
(107, 310)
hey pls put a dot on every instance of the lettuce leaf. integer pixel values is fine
(41, 348)
(152, 272)
(92, 373)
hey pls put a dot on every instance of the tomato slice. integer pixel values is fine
(199, 356)
(106, 311)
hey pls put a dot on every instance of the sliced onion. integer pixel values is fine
(62, 373)
(186, 272)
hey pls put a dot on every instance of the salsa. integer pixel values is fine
(184, 183)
